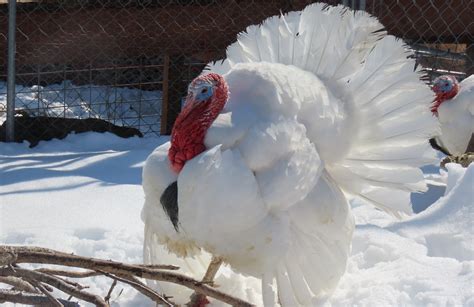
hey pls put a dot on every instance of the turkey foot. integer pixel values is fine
(464, 160)
(200, 300)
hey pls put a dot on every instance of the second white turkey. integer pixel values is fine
(454, 107)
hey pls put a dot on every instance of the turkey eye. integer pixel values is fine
(204, 90)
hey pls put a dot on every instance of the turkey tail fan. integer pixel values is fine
(376, 80)
(395, 125)
(313, 40)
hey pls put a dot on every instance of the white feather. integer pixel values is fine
(322, 104)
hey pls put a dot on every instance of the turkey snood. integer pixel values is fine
(207, 96)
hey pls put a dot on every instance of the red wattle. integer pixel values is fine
(189, 130)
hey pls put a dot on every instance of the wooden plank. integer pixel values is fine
(470, 60)
(19, 1)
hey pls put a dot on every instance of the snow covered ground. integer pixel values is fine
(119, 105)
(83, 195)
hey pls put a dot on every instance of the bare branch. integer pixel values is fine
(7, 258)
(30, 299)
(140, 287)
(52, 299)
(160, 266)
(72, 274)
(25, 254)
(57, 283)
(47, 287)
(107, 297)
(18, 284)
(32, 254)
(72, 283)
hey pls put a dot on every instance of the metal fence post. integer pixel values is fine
(164, 96)
(10, 124)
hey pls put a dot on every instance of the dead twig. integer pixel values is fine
(72, 283)
(30, 299)
(26, 254)
(56, 283)
(140, 287)
(57, 273)
(71, 274)
(32, 254)
(107, 297)
(7, 258)
(18, 284)
(52, 299)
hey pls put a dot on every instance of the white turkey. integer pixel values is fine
(454, 107)
(307, 109)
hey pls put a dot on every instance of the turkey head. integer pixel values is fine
(207, 95)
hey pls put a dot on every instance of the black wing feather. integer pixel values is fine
(169, 201)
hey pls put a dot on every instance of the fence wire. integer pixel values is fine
(128, 62)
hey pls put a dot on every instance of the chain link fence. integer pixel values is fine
(441, 32)
(128, 62)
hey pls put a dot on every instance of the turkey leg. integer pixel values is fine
(197, 299)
